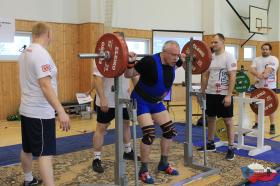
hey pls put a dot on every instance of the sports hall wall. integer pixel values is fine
(74, 74)
(78, 24)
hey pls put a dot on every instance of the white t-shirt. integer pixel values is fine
(108, 87)
(35, 63)
(260, 63)
(218, 79)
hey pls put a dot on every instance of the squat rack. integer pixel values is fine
(188, 145)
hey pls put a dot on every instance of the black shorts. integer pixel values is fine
(38, 136)
(107, 117)
(215, 106)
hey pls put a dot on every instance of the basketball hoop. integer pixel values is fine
(263, 30)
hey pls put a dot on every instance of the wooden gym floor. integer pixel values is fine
(10, 135)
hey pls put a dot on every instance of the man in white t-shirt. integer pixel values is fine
(38, 104)
(264, 68)
(218, 83)
(105, 109)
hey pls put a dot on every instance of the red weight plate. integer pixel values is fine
(117, 49)
(202, 56)
(271, 100)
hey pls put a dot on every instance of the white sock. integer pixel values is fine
(127, 148)
(97, 155)
(28, 176)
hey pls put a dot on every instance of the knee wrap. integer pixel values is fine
(168, 130)
(148, 134)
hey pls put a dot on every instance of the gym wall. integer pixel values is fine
(78, 24)
(63, 49)
(74, 74)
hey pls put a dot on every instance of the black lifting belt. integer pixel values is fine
(147, 97)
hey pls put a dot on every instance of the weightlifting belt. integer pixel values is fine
(147, 97)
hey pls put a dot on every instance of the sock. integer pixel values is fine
(163, 160)
(144, 167)
(231, 147)
(97, 155)
(127, 148)
(211, 141)
(272, 124)
(28, 176)
(256, 123)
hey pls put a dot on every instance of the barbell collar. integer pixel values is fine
(104, 55)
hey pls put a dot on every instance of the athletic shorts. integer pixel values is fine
(215, 106)
(38, 136)
(107, 117)
(144, 106)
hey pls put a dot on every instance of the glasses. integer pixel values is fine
(173, 55)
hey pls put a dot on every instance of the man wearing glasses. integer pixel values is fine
(157, 73)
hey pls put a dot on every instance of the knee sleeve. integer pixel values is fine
(148, 134)
(168, 130)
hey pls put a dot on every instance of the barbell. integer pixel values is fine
(112, 54)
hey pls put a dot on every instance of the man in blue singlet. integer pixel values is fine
(157, 73)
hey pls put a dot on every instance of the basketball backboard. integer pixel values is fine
(253, 14)
(258, 20)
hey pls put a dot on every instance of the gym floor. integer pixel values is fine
(80, 162)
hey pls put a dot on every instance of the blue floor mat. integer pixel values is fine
(10, 154)
(269, 156)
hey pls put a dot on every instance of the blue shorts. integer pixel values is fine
(144, 106)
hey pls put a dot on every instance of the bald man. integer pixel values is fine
(157, 74)
(39, 102)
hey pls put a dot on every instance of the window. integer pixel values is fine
(138, 45)
(232, 49)
(182, 37)
(249, 52)
(11, 51)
